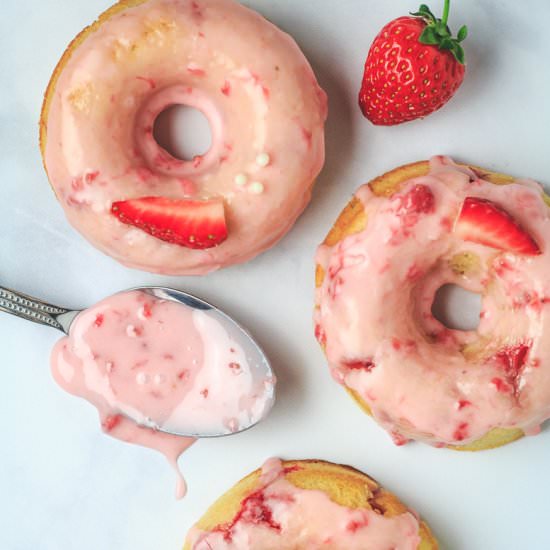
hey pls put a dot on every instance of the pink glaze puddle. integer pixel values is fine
(163, 364)
(280, 515)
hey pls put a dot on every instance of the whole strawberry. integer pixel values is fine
(413, 68)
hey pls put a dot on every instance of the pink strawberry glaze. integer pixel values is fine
(162, 364)
(425, 381)
(280, 515)
(251, 81)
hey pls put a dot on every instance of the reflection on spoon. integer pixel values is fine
(162, 368)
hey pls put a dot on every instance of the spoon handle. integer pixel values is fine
(31, 309)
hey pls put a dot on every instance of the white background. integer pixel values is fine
(65, 486)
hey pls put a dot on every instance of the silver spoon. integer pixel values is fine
(31, 309)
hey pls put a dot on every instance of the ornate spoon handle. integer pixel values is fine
(31, 309)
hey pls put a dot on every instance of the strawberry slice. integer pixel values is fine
(193, 224)
(482, 221)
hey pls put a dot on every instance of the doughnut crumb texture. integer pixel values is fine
(419, 379)
(309, 504)
(265, 109)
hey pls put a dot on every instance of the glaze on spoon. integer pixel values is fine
(161, 366)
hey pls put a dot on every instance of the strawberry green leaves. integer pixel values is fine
(462, 33)
(437, 32)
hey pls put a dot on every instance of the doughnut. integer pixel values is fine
(131, 198)
(309, 504)
(402, 237)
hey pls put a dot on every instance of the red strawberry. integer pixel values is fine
(193, 224)
(110, 422)
(482, 221)
(418, 200)
(413, 68)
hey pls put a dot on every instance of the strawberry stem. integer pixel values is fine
(446, 7)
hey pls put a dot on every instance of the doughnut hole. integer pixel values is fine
(457, 308)
(183, 131)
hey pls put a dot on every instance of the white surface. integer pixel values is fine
(64, 486)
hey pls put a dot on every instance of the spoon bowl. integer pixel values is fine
(260, 367)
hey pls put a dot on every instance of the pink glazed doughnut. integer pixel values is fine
(266, 113)
(402, 237)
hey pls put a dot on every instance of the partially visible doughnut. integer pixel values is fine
(309, 504)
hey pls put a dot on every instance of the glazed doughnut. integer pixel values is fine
(131, 198)
(309, 504)
(402, 237)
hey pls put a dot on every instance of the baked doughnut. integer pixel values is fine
(401, 238)
(309, 504)
(131, 198)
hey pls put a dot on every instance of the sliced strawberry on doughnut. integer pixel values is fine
(193, 224)
(482, 221)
